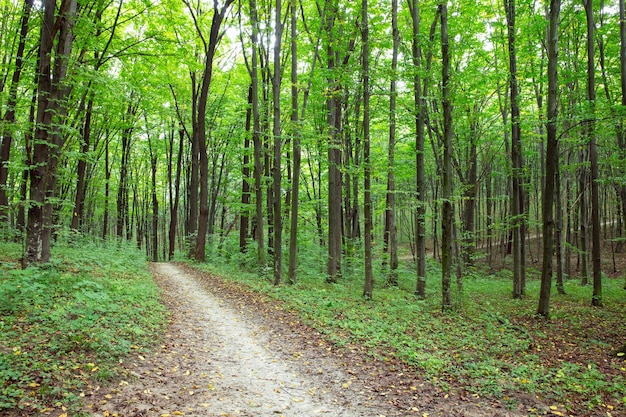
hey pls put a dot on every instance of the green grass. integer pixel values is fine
(66, 324)
(489, 344)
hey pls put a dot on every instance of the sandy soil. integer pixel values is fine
(229, 352)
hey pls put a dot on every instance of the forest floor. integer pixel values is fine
(232, 352)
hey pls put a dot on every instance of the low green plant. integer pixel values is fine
(489, 344)
(65, 323)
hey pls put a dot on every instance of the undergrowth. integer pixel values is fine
(488, 344)
(65, 325)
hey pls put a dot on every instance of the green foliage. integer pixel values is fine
(68, 322)
(490, 345)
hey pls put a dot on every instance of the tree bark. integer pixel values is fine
(297, 150)
(334, 156)
(447, 209)
(276, 131)
(176, 198)
(56, 40)
(552, 160)
(390, 248)
(517, 192)
(368, 288)
(219, 13)
(256, 139)
(244, 215)
(596, 299)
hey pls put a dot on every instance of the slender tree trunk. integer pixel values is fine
(552, 160)
(420, 121)
(244, 215)
(175, 203)
(517, 191)
(194, 177)
(558, 234)
(155, 203)
(276, 131)
(368, 288)
(593, 158)
(622, 127)
(107, 188)
(584, 219)
(297, 149)
(256, 139)
(390, 235)
(447, 210)
(219, 13)
(334, 157)
(122, 190)
(81, 182)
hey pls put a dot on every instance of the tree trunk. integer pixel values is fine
(244, 215)
(256, 139)
(552, 160)
(175, 201)
(593, 158)
(51, 112)
(297, 150)
(81, 182)
(447, 210)
(194, 177)
(219, 13)
(276, 131)
(334, 157)
(517, 192)
(123, 221)
(390, 236)
(420, 123)
(107, 188)
(155, 203)
(368, 287)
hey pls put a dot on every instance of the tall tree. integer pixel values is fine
(333, 104)
(517, 192)
(593, 157)
(297, 148)
(368, 287)
(256, 136)
(210, 45)
(552, 159)
(390, 236)
(276, 131)
(447, 209)
(55, 46)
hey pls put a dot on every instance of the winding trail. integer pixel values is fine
(229, 352)
(216, 361)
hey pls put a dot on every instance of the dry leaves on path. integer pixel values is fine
(230, 352)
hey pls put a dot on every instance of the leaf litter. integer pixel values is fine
(232, 352)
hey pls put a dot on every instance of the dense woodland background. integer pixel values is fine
(362, 135)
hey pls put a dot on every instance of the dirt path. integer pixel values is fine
(229, 353)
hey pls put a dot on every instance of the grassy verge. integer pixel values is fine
(489, 345)
(65, 325)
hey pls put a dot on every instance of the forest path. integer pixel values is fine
(217, 360)
(228, 352)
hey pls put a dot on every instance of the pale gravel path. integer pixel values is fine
(218, 361)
